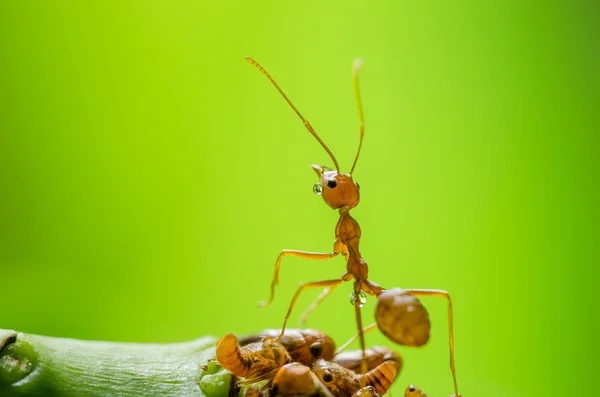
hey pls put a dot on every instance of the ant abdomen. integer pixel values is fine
(402, 317)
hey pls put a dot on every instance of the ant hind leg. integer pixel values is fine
(442, 294)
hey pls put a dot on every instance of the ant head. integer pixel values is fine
(338, 190)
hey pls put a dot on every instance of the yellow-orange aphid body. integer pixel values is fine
(376, 355)
(402, 318)
(254, 362)
(343, 382)
(380, 377)
(304, 345)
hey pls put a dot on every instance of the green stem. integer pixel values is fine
(33, 365)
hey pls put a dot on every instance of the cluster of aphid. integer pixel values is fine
(398, 313)
(304, 363)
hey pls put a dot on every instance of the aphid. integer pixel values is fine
(296, 379)
(367, 391)
(376, 355)
(413, 391)
(254, 362)
(340, 192)
(304, 345)
(343, 382)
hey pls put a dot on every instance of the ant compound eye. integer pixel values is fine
(412, 388)
(316, 349)
(357, 186)
(327, 377)
(331, 183)
(318, 188)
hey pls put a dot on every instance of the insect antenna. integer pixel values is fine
(355, 69)
(306, 123)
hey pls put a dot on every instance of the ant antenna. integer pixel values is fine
(306, 123)
(356, 65)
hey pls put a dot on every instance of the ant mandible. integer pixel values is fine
(341, 193)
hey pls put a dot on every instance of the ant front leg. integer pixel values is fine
(339, 248)
(298, 254)
(443, 294)
(302, 287)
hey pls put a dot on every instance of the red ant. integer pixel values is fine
(341, 193)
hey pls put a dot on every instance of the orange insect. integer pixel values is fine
(367, 391)
(304, 345)
(254, 362)
(341, 193)
(413, 391)
(296, 379)
(376, 355)
(343, 382)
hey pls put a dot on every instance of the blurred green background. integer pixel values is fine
(149, 176)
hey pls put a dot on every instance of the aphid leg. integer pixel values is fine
(302, 287)
(443, 294)
(326, 292)
(298, 254)
(351, 340)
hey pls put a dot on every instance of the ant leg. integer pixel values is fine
(443, 294)
(364, 366)
(371, 288)
(317, 284)
(326, 292)
(298, 254)
(351, 340)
